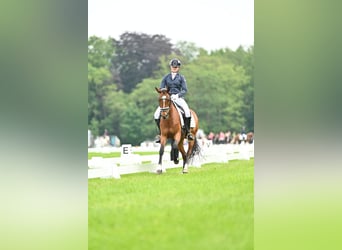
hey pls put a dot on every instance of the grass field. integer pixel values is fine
(118, 154)
(210, 208)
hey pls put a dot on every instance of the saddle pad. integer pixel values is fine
(181, 113)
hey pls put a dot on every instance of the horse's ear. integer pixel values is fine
(157, 89)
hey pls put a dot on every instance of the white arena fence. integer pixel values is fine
(130, 163)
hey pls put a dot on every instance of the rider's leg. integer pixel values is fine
(181, 102)
(157, 120)
(187, 128)
(187, 119)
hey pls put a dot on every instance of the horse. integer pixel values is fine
(171, 128)
(250, 137)
(237, 139)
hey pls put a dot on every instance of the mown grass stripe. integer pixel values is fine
(209, 208)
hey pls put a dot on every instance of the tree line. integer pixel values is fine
(122, 75)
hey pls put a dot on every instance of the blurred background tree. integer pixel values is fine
(122, 75)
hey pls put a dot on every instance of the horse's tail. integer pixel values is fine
(195, 151)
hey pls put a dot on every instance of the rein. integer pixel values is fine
(165, 109)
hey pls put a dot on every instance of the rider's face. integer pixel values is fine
(174, 69)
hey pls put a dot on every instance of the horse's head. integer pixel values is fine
(164, 100)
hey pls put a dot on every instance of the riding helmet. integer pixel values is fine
(175, 63)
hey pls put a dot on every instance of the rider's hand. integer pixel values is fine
(174, 97)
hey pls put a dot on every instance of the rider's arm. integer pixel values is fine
(163, 82)
(184, 89)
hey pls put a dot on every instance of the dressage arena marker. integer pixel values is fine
(129, 163)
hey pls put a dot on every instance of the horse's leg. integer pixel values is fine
(174, 152)
(188, 153)
(182, 150)
(161, 152)
(176, 156)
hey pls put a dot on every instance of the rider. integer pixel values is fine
(177, 88)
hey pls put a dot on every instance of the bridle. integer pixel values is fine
(164, 109)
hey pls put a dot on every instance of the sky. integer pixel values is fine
(209, 24)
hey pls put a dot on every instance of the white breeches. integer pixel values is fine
(181, 102)
(243, 137)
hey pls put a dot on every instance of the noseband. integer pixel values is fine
(163, 108)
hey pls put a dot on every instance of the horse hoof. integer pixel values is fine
(159, 171)
(185, 172)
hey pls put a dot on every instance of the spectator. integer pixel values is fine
(106, 138)
(228, 136)
(221, 138)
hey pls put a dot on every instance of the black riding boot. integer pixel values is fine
(187, 128)
(158, 125)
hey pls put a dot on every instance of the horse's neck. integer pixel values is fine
(173, 115)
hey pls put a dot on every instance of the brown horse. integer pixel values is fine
(250, 137)
(170, 128)
(237, 139)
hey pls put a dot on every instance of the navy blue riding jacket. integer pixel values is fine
(175, 86)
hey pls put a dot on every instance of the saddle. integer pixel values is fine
(182, 116)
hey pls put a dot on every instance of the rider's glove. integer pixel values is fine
(174, 97)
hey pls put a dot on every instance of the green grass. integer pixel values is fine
(117, 154)
(209, 208)
(104, 155)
